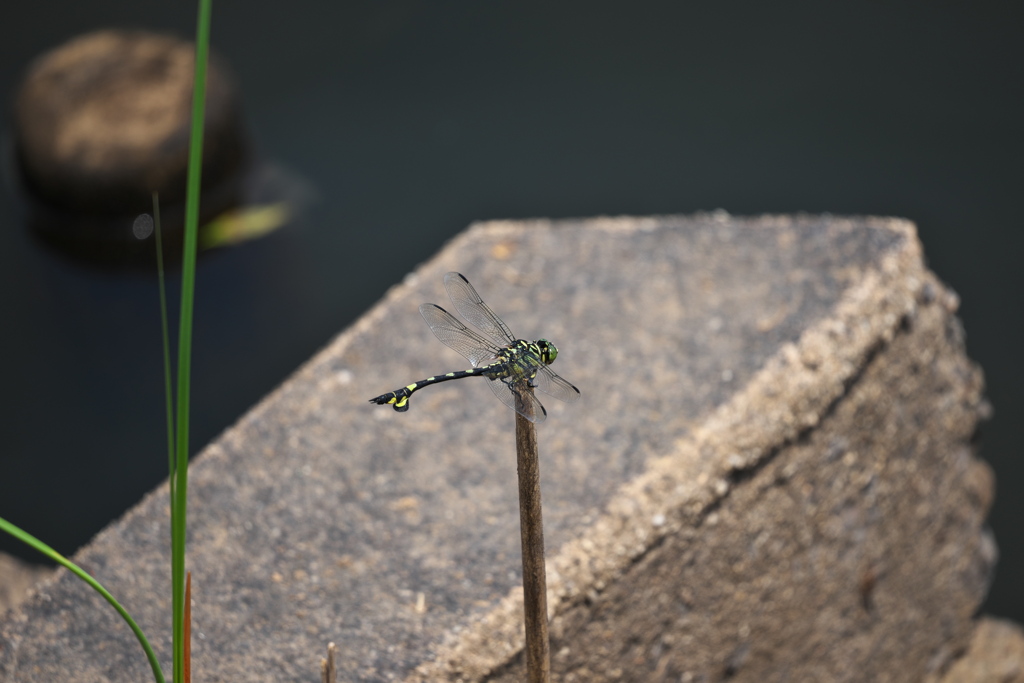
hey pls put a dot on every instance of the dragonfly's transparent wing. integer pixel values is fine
(553, 385)
(472, 307)
(519, 398)
(457, 336)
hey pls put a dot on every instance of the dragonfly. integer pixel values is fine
(513, 367)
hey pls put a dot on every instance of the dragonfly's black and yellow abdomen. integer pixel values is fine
(512, 366)
(399, 398)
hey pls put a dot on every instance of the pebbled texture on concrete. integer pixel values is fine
(770, 476)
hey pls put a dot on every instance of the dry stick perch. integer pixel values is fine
(531, 526)
(328, 670)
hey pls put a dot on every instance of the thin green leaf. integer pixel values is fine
(31, 540)
(188, 270)
(166, 339)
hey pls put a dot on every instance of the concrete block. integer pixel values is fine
(770, 477)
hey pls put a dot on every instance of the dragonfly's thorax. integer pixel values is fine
(519, 359)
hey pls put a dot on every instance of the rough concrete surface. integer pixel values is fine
(770, 476)
(16, 579)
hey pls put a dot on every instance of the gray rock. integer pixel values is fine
(103, 121)
(770, 476)
(16, 580)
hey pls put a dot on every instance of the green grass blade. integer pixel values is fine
(188, 270)
(31, 540)
(166, 339)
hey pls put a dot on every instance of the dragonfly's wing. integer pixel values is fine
(553, 385)
(472, 307)
(457, 336)
(519, 398)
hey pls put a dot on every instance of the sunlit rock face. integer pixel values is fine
(102, 122)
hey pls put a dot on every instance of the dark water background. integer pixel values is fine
(409, 120)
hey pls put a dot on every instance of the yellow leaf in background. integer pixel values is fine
(242, 224)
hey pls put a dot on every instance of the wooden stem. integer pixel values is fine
(531, 525)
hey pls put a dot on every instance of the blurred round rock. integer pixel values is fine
(103, 121)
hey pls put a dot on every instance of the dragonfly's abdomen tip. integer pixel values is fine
(395, 399)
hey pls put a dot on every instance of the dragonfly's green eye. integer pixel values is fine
(549, 352)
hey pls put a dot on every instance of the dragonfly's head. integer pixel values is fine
(548, 351)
